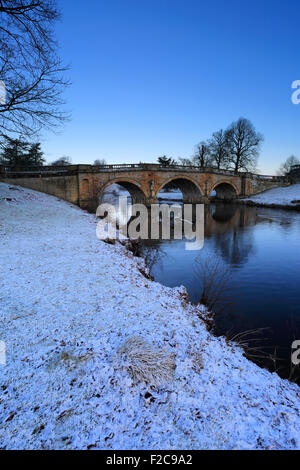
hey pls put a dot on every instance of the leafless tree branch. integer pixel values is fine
(32, 72)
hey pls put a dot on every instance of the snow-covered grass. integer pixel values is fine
(70, 306)
(279, 196)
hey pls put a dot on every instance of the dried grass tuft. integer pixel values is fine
(146, 363)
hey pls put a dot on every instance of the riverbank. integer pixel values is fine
(278, 198)
(81, 324)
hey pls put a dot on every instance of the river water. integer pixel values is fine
(261, 249)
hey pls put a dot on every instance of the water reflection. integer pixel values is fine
(262, 248)
(224, 225)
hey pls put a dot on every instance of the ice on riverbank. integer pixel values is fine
(69, 303)
(279, 196)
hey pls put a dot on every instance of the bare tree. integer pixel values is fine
(99, 162)
(285, 168)
(62, 161)
(202, 156)
(30, 69)
(185, 161)
(243, 145)
(219, 149)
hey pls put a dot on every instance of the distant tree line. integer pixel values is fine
(18, 153)
(236, 148)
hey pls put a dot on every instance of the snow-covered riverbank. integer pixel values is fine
(278, 197)
(80, 322)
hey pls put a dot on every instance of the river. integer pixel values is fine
(261, 249)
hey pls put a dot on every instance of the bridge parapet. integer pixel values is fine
(72, 169)
(276, 178)
(84, 184)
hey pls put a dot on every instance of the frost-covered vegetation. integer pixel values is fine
(80, 321)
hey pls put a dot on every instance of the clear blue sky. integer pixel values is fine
(155, 77)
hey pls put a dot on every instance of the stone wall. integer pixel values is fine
(63, 187)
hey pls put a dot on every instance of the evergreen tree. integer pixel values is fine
(17, 154)
(165, 161)
(35, 155)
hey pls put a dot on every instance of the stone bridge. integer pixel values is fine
(84, 184)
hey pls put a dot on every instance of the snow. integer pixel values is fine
(70, 303)
(112, 193)
(279, 196)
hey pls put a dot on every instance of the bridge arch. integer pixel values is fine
(133, 187)
(225, 190)
(191, 191)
